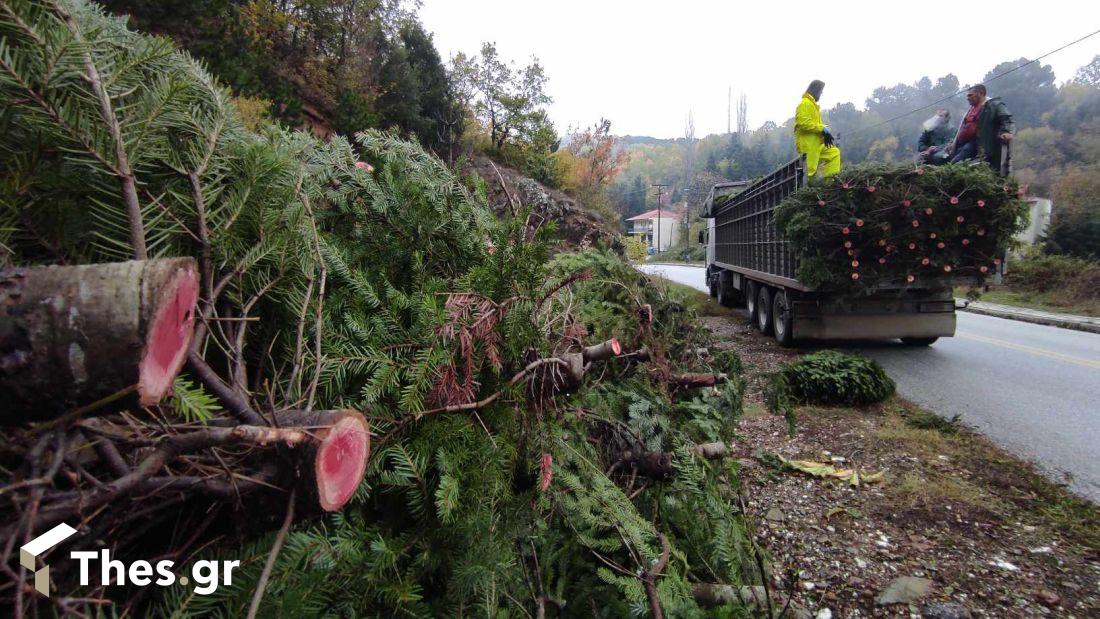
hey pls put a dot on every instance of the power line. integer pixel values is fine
(953, 95)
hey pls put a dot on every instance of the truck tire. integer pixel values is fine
(727, 294)
(751, 290)
(712, 283)
(919, 341)
(765, 319)
(782, 318)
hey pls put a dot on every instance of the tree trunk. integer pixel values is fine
(336, 462)
(658, 464)
(576, 362)
(711, 595)
(71, 336)
(687, 381)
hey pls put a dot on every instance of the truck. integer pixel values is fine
(748, 262)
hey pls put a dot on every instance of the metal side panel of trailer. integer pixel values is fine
(745, 236)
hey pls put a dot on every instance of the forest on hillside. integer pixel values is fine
(1056, 152)
(341, 66)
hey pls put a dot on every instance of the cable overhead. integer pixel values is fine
(953, 95)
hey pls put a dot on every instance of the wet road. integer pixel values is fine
(1033, 389)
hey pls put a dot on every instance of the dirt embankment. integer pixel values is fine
(959, 528)
(509, 190)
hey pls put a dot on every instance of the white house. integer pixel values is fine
(1038, 220)
(653, 224)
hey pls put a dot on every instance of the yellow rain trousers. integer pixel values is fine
(809, 141)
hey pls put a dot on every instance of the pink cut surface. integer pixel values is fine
(169, 337)
(616, 347)
(341, 461)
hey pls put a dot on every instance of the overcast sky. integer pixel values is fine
(644, 64)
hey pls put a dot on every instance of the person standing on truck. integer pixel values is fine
(986, 126)
(812, 137)
(937, 134)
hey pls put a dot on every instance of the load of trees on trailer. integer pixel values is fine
(330, 361)
(877, 225)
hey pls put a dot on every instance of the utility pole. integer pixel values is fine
(660, 188)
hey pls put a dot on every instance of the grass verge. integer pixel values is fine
(1046, 302)
(960, 465)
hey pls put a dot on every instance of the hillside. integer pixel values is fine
(509, 190)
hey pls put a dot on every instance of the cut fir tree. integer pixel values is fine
(877, 225)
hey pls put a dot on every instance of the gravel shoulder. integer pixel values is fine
(959, 527)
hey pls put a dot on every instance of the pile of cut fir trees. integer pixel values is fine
(330, 362)
(878, 225)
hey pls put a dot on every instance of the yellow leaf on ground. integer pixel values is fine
(823, 470)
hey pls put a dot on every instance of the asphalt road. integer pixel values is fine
(1033, 389)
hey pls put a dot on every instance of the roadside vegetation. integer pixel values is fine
(942, 521)
(536, 421)
(1048, 282)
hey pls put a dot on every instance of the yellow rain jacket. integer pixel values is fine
(809, 141)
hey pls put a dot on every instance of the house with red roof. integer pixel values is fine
(659, 228)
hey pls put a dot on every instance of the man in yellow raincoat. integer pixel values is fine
(812, 137)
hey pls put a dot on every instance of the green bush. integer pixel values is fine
(686, 252)
(1076, 232)
(1073, 279)
(831, 377)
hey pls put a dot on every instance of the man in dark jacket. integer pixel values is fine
(936, 135)
(987, 125)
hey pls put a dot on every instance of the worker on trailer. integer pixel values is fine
(936, 135)
(812, 137)
(985, 127)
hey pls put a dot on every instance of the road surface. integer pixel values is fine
(1033, 389)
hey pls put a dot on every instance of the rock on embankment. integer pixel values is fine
(578, 226)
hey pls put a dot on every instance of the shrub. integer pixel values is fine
(1070, 279)
(831, 377)
(686, 252)
(1076, 232)
(636, 248)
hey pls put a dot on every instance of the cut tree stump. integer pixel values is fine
(575, 362)
(72, 336)
(658, 464)
(339, 455)
(326, 460)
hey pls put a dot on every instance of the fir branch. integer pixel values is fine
(121, 168)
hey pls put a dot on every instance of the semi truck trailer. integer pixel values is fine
(748, 262)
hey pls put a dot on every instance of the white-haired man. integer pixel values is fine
(936, 135)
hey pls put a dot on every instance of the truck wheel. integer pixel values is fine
(765, 319)
(783, 318)
(751, 290)
(919, 341)
(727, 294)
(712, 284)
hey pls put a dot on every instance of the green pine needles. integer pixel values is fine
(397, 293)
(901, 226)
(832, 378)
